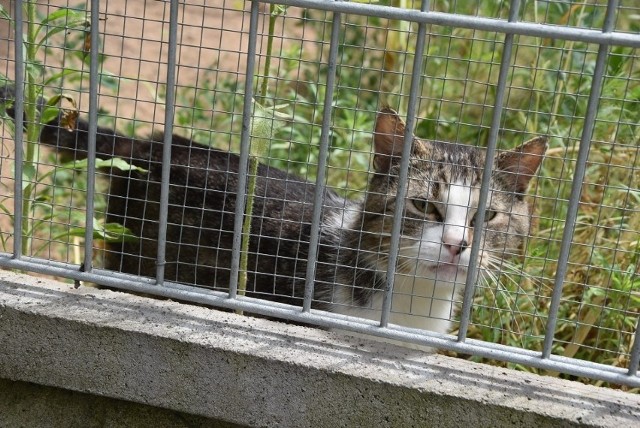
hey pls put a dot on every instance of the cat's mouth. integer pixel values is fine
(448, 270)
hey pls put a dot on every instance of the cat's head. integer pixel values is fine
(442, 198)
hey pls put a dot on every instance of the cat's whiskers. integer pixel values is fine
(505, 269)
(493, 278)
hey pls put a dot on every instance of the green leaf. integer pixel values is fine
(7, 121)
(51, 110)
(5, 210)
(109, 232)
(74, 25)
(109, 81)
(4, 14)
(60, 75)
(64, 13)
(73, 19)
(49, 114)
(29, 171)
(279, 10)
(115, 232)
(34, 69)
(117, 163)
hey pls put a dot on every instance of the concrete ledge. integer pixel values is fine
(254, 372)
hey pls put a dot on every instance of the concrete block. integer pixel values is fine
(255, 372)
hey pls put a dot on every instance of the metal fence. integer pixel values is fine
(470, 73)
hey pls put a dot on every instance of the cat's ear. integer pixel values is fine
(522, 163)
(387, 139)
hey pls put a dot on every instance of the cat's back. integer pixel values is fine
(206, 176)
(202, 213)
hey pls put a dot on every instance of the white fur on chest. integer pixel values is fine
(420, 303)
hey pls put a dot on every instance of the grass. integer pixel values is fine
(548, 87)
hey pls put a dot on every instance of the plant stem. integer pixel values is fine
(32, 125)
(267, 61)
(246, 225)
(253, 167)
(408, 48)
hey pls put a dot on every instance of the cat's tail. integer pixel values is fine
(68, 134)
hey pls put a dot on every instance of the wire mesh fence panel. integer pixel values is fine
(463, 176)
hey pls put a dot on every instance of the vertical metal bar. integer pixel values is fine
(634, 360)
(416, 77)
(494, 130)
(166, 143)
(19, 137)
(318, 197)
(245, 136)
(93, 129)
(578, 177)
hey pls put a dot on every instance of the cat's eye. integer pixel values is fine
(428, 208)
(488, 216)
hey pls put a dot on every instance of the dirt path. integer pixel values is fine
(134, 36)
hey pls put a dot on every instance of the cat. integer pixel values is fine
(435, 242)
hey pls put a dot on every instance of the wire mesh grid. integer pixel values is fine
(549, 282)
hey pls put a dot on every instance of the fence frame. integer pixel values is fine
(606, 38)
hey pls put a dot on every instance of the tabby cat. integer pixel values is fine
(438, 220)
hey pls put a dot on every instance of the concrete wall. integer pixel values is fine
(91, 357)
(30, 405)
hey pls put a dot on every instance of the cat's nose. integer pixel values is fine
(457, 248)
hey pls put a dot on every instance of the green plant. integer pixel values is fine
(47, 209)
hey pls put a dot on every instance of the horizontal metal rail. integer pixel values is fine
(470, 22)
(325, 319)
